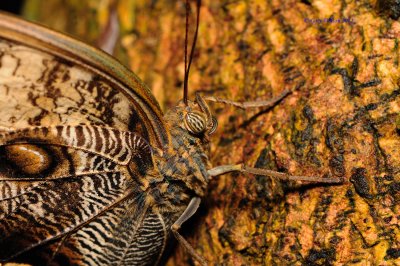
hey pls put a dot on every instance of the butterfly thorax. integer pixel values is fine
(179, 172)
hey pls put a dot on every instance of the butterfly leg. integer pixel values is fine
(244, 105)
(223, 169)
(189, 211)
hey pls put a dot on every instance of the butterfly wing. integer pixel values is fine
(87, 209)
(67, 192)
(70, 82)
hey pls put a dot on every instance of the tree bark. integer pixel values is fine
(341, 62)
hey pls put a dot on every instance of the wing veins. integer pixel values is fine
(52, 180)
(57, 132)
(77, 227)
(133, 237)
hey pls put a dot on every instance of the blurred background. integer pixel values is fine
(11, 6)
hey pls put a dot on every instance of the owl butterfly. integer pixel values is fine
(91, 171)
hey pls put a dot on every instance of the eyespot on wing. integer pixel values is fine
(30, 159)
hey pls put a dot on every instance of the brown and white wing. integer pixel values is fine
(47, 79)
(67, 113)
(85, 206)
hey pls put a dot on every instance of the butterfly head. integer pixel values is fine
(190, 125)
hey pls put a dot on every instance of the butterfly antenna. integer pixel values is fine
(187, 64)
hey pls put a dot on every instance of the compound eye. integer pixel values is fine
(195, 122)
(214, 125)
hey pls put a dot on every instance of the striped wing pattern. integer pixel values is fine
(92, 214)
(81, 203)
(133, 241)
(112, 144)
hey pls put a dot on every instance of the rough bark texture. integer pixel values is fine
(341, 120)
